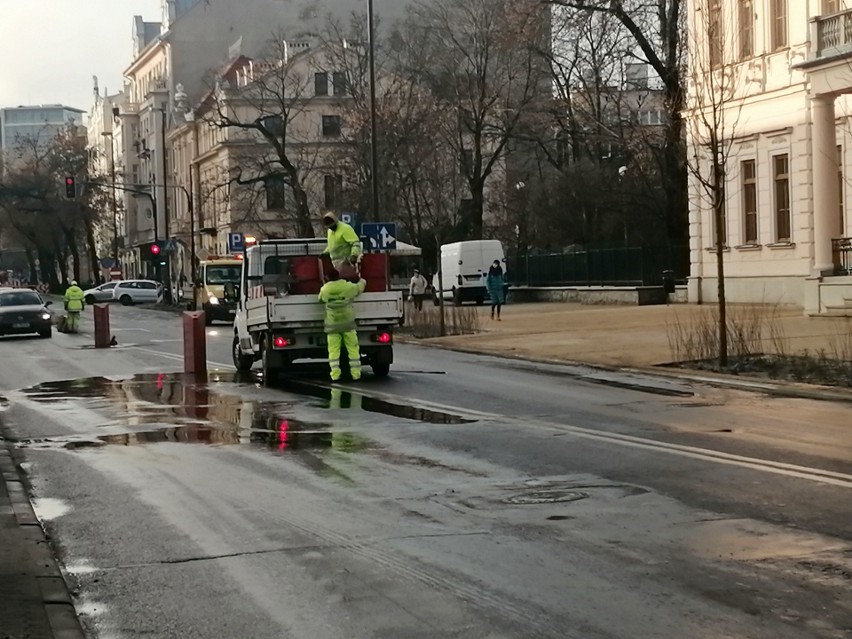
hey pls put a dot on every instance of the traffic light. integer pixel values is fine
(156, 249)
(70, 187)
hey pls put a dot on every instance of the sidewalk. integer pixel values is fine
(34, 601)
(618, 336)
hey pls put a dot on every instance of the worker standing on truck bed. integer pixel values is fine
(344, 246)
(339, 296)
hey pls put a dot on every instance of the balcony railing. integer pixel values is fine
(833, 34)
(841, 249)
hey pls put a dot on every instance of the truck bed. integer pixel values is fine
(302, 311)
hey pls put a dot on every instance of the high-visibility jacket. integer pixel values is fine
(343, 243)
(74, 299)
(338, 297)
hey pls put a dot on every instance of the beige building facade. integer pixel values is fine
(788, 160)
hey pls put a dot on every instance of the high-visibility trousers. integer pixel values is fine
(335, 342)
(73, 321)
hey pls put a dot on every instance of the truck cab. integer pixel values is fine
(280, 319)
(217, 288)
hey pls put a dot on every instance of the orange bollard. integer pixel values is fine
(195, 345)
(102, 335)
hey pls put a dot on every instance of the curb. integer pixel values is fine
(56, 598)
(778, 389)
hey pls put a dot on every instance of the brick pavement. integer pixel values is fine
(34, 601)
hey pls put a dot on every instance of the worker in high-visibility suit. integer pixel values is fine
(344, 245)
(339, 296)
(74, 305)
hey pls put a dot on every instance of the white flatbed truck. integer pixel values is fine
(279, 316)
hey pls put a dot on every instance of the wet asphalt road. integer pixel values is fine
(462, 497)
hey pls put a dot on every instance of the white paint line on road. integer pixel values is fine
(808, 473)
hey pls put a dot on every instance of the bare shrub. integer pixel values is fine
(840, 342)
(460, 320)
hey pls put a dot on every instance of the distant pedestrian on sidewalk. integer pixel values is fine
(74, 305)
(339, 296)
(496, 285)
(417, 289)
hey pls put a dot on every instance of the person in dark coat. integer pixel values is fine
(496, 283)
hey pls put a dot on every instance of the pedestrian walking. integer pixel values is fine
(344, 246)
(338, 295)
(417, 289)
(74, 305)
(496, 285)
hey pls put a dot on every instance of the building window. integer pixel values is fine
(321, 84)
(779, 24)
(276, 193)
(749, 178)
(466, 162)
(831, 6)
(746, 29)
(715, 32)
(333, 191)
(339, 82)
(331, 126)
(781, 176)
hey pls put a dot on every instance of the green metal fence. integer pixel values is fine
(624, 266)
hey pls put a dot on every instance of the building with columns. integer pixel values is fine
(788, 140)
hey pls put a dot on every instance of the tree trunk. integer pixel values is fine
(675, 182)
(93, 252)
(477, 209)
(304, 222)
(31, 261)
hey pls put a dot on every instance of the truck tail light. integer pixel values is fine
(383, 338)
(282, 342)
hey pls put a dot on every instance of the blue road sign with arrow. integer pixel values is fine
(381, 236)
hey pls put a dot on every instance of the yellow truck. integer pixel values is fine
(217, 288)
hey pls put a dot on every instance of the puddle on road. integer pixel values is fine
(48, 508)
(173, 408)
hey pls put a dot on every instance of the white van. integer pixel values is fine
(465, 267)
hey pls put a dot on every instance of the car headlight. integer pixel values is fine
(45, 316)
(214, 300)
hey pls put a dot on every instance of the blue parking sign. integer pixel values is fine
(236, 242)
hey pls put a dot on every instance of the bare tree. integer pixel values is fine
(269, 107)
(478, 58)
(716, 82)
(657, 29)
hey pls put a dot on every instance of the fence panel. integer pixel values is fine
(624, 266)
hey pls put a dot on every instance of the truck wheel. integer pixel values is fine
(480, 301)
(242, 363)
(381, 370)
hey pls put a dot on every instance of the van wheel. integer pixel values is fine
(242, 363)
(480, 301)
(457, 300)
(435, 299)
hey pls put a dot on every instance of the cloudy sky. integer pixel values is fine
(50, 49)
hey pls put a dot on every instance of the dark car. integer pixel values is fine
(23, 312)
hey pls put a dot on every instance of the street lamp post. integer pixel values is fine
(374, 145)
(108, 134)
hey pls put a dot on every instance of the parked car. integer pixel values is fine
(130, 292)
(102, 293)
(24, 312)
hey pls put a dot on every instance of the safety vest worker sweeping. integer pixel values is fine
(344, 246)
(74, 305)
(339, 296)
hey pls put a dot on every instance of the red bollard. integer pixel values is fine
(102, 335)
(195, 345)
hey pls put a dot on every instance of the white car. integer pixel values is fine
(102, 293)
(130, 292)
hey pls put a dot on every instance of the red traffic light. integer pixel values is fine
(155, 249)
(69, 181)
(70, 187)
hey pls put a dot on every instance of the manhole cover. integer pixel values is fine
(545, 497)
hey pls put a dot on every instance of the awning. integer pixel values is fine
(403, 248)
